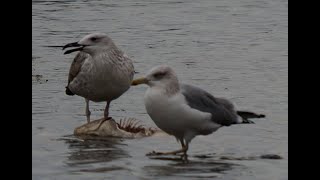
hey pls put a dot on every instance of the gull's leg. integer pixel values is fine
(106, 115)
(183, 150)
(185, 155)
(88, 113)
(106, 111)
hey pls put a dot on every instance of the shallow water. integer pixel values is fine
(236, 49)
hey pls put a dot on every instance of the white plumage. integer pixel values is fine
(186, 111)
(173, 115)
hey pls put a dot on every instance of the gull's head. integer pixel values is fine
(91, 44)
(161, 76)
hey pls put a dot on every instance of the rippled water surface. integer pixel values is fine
(232, 48)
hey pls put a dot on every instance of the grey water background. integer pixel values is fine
(232, 48)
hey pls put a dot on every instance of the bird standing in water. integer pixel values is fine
(186, 111)
(99, 72)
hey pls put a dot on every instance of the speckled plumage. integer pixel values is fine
(100, 71)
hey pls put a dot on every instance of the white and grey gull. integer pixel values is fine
(99, 72)
(186, 111)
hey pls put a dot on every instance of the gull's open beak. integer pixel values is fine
(138, 81)
(75, 44)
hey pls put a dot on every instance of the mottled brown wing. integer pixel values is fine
(75, 69)
(76, 65)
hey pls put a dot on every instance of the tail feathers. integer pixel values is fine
(245, 115)
(68, 92)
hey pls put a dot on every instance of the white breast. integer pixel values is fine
(174, 116)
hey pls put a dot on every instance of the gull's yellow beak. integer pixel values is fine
(138, 81)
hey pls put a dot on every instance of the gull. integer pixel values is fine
(99, 72)
(186, 111)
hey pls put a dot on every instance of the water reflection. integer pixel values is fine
(88, 150)
(196, 168)
(201, 165)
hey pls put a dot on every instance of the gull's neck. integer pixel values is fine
(169, 88)
(112, 54)
(111, 48)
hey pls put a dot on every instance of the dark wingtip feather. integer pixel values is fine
(261, 116)
(68, 92)
(245, 115)
(248, 115)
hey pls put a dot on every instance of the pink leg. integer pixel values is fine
(106, 115)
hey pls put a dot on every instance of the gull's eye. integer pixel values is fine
(159, 75)
(93, 39)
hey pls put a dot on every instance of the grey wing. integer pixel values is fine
(221, 109)
(226, 103)
(76, 65)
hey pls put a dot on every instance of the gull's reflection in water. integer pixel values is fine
(194, 167)
(91, 153)
(201, 165)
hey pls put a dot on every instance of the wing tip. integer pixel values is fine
(69, 92)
